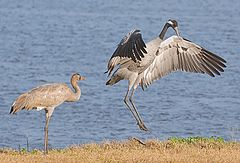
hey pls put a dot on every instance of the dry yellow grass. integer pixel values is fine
(173, 150)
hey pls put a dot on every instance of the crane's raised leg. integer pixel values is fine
(48, 116)
(141, 124)
(125, 101)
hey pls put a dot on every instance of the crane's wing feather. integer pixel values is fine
(48, 95)
(131, 47)
(176, 53)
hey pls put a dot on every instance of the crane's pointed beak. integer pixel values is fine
(83, 78)
(177, 31)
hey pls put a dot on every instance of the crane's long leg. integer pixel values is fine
(125, 101)
(141, 124)
(46, 132)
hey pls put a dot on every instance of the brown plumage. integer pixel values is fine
(48, 97)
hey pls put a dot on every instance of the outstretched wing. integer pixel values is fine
(131, 47)
(176, 53)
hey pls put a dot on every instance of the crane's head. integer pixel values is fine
(77, 77)
(174, 24)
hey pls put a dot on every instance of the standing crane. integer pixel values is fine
(141, 63)
(48, 97)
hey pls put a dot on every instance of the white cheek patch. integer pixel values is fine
(170, 22)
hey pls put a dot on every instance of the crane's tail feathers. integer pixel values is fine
(19, 104)
(109, 82)
(142, 85)
(11, 110)
(113, 80)
(107, 72)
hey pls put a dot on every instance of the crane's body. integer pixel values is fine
(44, 96)
(132, 71)
(48, 97)
(141, 63)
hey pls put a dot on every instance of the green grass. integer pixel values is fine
(196, 139)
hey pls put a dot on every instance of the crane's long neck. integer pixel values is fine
(77, 90)
(164, 30)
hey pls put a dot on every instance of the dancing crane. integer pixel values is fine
(141, 63)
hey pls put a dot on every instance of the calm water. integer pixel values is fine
(46, 41)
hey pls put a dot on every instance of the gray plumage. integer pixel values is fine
(141, 63)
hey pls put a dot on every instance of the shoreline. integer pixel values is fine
(192, 149)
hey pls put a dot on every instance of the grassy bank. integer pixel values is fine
(194, 149)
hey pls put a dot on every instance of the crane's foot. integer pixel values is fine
(142, 127)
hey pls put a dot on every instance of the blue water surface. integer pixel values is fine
(46, 41)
